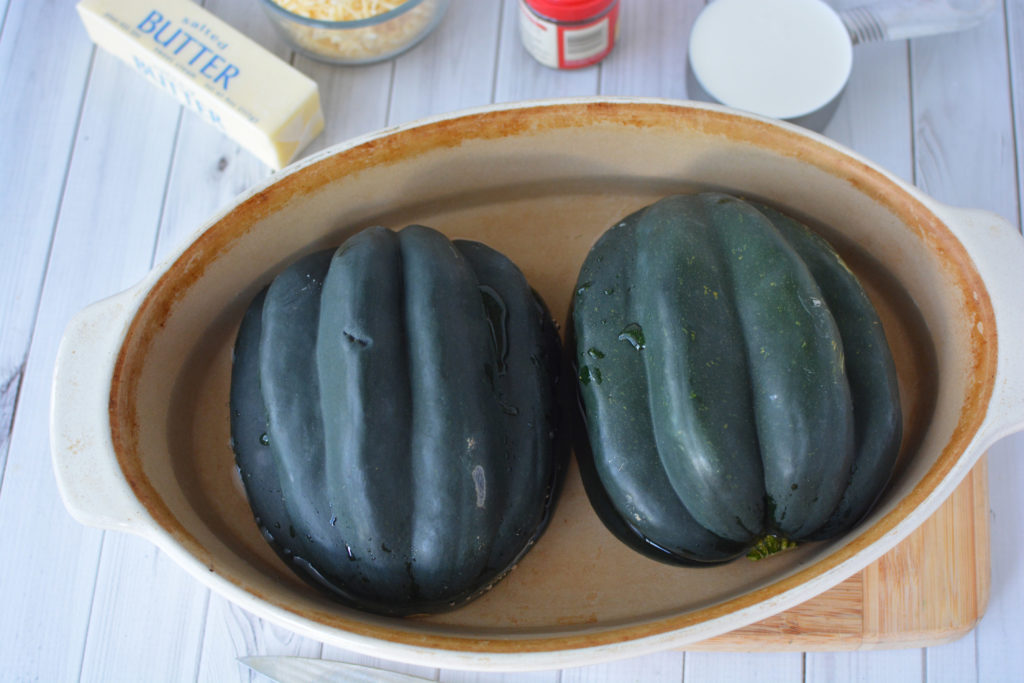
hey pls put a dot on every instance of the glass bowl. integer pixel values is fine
(361, 41)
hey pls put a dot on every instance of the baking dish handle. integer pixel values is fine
(997, 248)
(91, 483)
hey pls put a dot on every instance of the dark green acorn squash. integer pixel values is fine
(735, 381)
(394, 418)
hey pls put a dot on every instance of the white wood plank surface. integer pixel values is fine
(959, 85)
(770, 667)
(873, 117)
(661, 27)
(453, 68)
(955, 662)
(905, 666)
(137, 584)
(358, 98)
(100, 174)
(488, 677)
(665, 666)
(1015, 38)
(44, 51)
(103, 243)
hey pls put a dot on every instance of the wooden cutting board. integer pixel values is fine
(929, 590)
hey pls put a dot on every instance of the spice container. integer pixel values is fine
(354, 31)
(568, 34)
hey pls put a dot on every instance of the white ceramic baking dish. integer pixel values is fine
(140, 416)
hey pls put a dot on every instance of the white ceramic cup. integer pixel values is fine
(786, 59)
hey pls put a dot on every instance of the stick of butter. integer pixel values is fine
(234, 84)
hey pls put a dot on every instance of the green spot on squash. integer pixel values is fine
(769, 545)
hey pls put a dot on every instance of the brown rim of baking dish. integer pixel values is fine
(499, 123)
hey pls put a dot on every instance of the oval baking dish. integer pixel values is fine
(140, 419)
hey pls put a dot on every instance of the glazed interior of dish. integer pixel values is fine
(541, 184)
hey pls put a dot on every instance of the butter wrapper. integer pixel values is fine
(232, 83)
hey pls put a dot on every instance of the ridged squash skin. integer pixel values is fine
(734, 380)
(394, 418)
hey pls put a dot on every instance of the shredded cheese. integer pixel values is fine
(339, 10)
(357, 44)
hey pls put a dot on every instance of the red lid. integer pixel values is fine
(570, 10)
